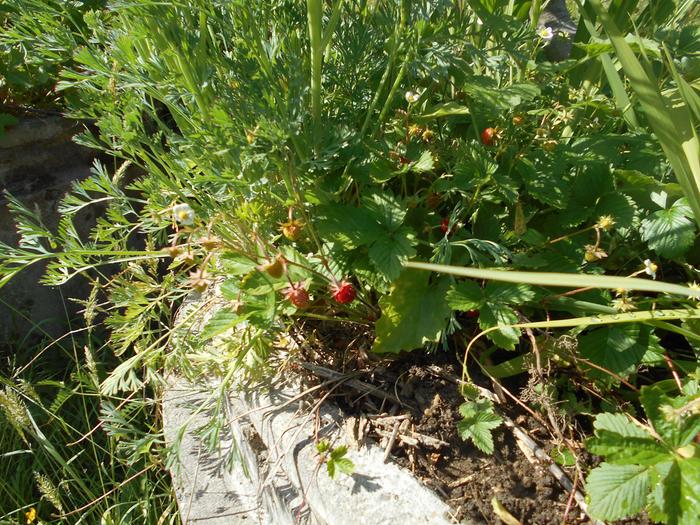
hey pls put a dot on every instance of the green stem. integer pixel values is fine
(315, 14)
(387, 73)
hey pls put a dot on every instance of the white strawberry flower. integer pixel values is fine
(183, 214)
(650, 268)
(412, 97)
(545, 33)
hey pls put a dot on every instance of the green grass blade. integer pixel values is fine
(566, 280)
(673, 127)
(315, 15)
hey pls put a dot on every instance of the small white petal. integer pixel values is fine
(183, 214)
(650, 268)
(545, 33)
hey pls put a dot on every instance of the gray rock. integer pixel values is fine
(38, 163)
(279, 479)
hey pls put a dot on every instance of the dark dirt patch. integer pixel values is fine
(467, 478)
(428, 410)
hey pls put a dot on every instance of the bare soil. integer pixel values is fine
(417, 400)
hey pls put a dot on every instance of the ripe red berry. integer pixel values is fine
(488, 136)
(445, 225)
(297, 295)
(343, 292)
(472, 314)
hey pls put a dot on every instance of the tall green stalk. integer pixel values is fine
(315, 14)
(671, 123)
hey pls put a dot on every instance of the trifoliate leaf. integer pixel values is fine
(479, 419)
(620, 424)
(339, 451)
(624, 443)
(619, 349)
(617, 491)
(669, 232)
(544, 181)
(235, 264)
(492, 314)
(414, 313)
(465, 296)
(330, 467)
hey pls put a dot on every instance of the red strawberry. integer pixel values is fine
(445, 225)
(297, 295)
(488, 136)
(472, 314)
(343, 292)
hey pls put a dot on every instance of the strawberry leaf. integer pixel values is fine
(221, 321)
(491, 315)
(618, 349)
(414, 313)
(517, 294)
(624, 443)
(675, 498)
(675, 431)
(479, 419)
(619, 206)
(617, 491)
(345, 465)
(669, 232)
(465, 296)
(348, 226)
(389, 253)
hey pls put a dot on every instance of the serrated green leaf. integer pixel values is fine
(620, 424)
(235, 264)
(465, 296)
(345, 465)
(544, 181)
(619, 206)
(492, 314)
(330, 467)
(339, 451)
(492, 98)
(477, 424)
(627, 450)
(617, 491)
(386, 209)
(675, 431)
(446, 109)
(424, 164)
(388, 254)
(499, 293)
(669, 232)
(382, 170)
(348, 226)
(675, 498)
(414, 313)
(221, 321)
(619, 349)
